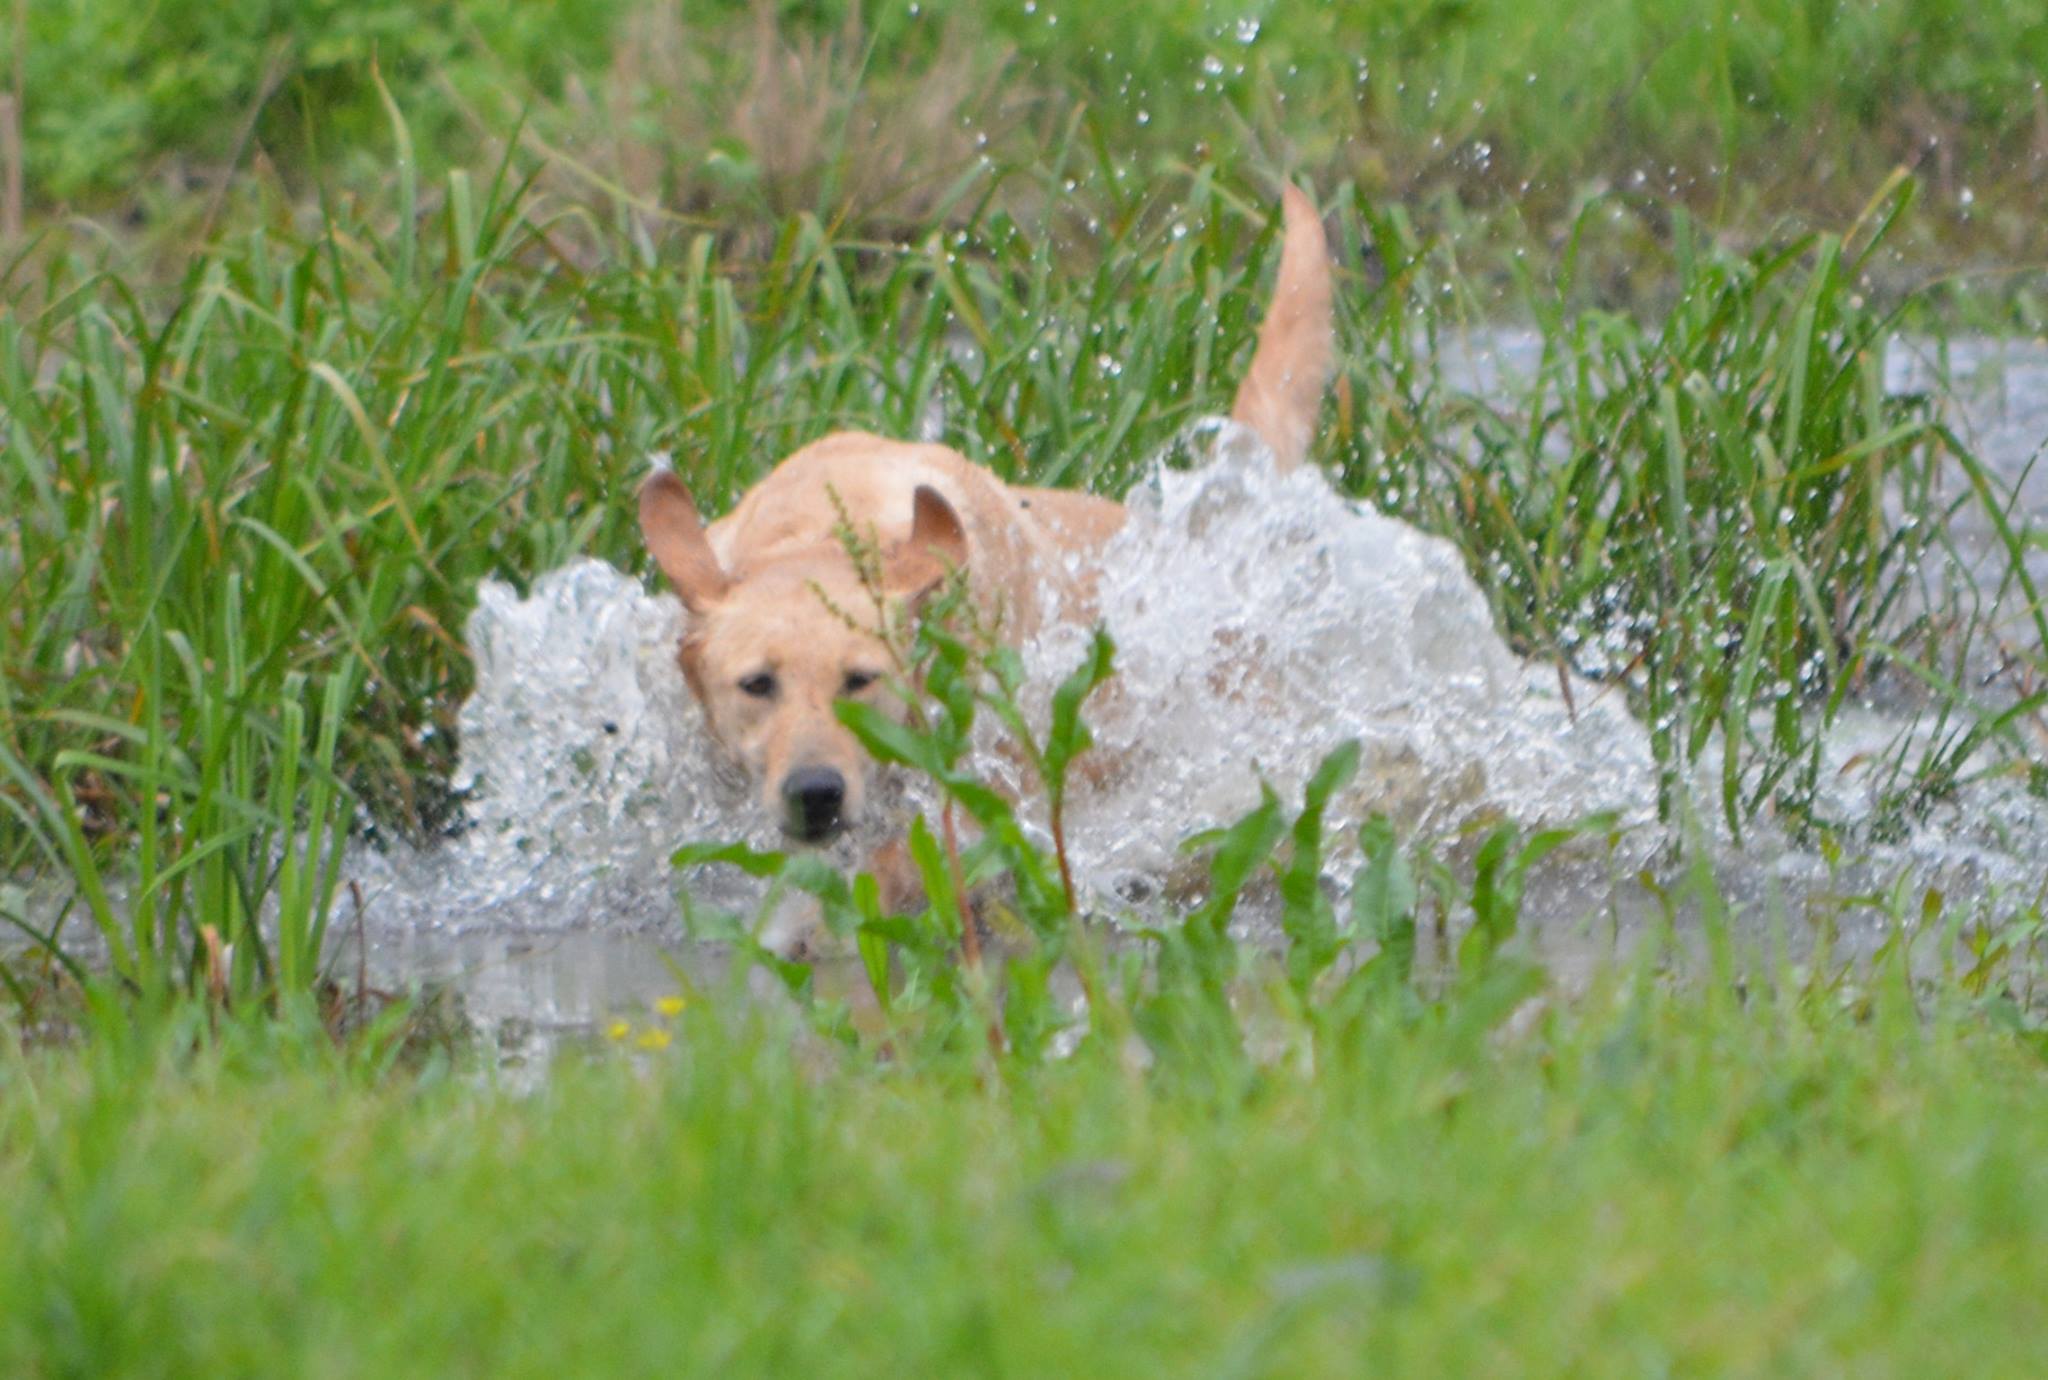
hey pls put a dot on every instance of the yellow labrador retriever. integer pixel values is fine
(768, 644)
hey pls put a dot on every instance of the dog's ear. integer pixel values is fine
(675, 538)
(936, 545)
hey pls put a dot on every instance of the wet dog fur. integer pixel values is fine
(769, 644)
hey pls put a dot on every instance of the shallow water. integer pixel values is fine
(1260, 621)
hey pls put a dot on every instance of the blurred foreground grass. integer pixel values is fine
(1640, 1179)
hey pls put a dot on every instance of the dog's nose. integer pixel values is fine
(814, 796)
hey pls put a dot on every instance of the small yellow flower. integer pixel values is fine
(618, 1030)
(653, 1039)
(671, 1007)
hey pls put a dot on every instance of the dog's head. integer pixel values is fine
(769, 649)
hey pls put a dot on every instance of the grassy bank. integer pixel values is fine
(1639, 1180)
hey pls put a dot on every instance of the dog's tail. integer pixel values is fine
(1283, 390)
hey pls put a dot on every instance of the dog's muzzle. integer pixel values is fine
(812, 799)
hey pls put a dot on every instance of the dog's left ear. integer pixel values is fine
(937, 544)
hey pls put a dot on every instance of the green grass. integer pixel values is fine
(1641, 1179)
(254, 476)
(1693, 505)
(1494, 119)
(254, 508)
(1248, 1163)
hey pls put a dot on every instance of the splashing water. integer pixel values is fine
(1261, 621)
(584, 759)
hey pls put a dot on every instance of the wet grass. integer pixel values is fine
(254, 509)
(1702, 506)
(249, 504)
(1290, 1162)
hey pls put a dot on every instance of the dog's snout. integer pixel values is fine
(814, 797)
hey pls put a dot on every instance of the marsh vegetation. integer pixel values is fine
(299, 349)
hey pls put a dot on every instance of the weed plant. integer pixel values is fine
(1418, 930)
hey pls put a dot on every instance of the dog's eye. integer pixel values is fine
(857, 681)
(760, 685)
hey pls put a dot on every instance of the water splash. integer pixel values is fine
(582, 762)
(1261, 621)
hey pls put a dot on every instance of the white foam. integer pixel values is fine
(1260, 619)
(582, 760)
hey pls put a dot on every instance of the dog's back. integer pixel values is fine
(872, 479)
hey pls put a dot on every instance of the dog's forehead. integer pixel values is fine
(790, 624)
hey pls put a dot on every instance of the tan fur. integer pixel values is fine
(773, 593)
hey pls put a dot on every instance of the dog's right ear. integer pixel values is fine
(675, 538)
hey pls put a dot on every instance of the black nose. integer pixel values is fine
(813, 796)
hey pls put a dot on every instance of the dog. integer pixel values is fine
(770, 642)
